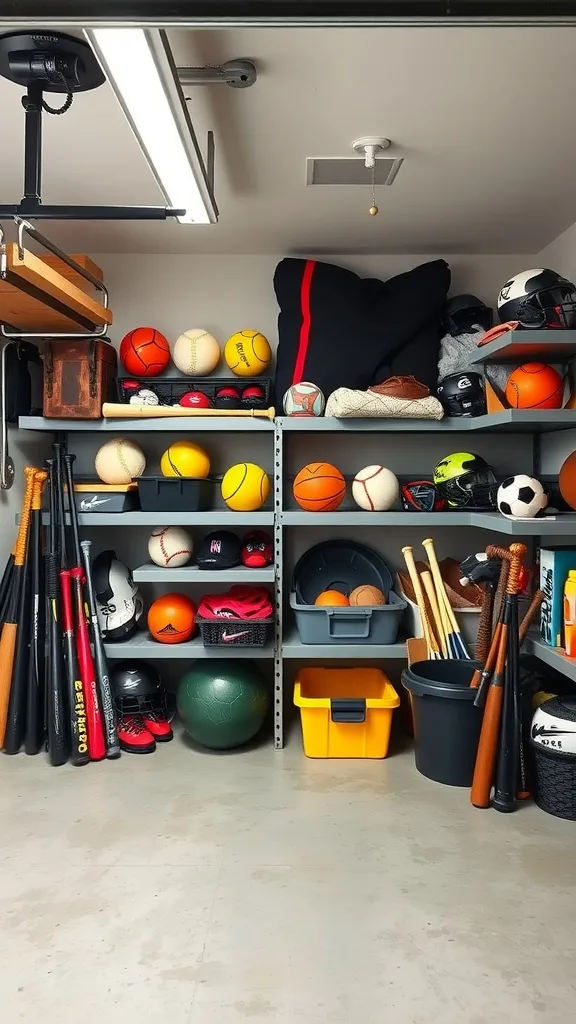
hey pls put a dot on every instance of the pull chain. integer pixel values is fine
(373, 208)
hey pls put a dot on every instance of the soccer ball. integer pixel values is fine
(304, 399)
(521, 497)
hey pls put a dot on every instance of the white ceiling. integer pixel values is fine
(482, 117)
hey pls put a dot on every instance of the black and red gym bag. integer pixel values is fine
(339, 330)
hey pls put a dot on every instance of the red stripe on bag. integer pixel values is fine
(304, 339)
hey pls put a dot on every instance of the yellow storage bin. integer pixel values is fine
(346, 712)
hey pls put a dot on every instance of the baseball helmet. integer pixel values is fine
(538, 299)
(137, 688)
(421, 496)
(467, 482)
(118, 604)
(463, 312)
(462, 394)
(554, 725)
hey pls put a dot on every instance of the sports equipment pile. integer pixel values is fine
(54, 684)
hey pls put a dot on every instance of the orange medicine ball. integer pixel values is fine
(535, 386)
(319, 487)
(332, 599)
(171, 619)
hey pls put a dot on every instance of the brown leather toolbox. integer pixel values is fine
(78, 377)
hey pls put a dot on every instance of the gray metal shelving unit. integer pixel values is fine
(150, 573)
(287, 645)
(187, 425)
(558, 526)
(516, 346)
(141, 645)
(217, 517)
(516, 421)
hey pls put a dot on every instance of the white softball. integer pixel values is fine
(120, 461)
(170, 546)
(196, 352)
(375, 489)
(145, 397)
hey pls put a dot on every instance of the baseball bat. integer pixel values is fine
(96, 744)
(34, 729)
(504, 799)
(433, 650)
(116, 411)
(76, 701)
(57, 736)
(11, 626)
(6, 586)
(436, 617)
(102, 677)
(491, 721)
(481, 678)
(15, 723)
(456, 644)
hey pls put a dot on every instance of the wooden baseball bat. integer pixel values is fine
(433, 650)
(481, 679)
(12, 625)
(117, 411)
(456, 644)
(488, 745)
(432, 600)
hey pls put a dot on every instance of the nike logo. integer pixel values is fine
(541, 730)
(85, 506)
(234, 636)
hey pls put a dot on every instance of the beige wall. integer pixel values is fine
(560, 254)
(222, 294)
(228, 293)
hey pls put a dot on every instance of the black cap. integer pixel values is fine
(219, 550)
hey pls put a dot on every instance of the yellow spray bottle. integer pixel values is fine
(570, 614)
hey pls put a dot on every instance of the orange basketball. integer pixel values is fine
(171, 618)
(567, 480)
(332, 598)
(144, 352)
(319, 487)
(534, 386)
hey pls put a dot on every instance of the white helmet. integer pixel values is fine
(538, 299)
(554, 726)
(118, 603)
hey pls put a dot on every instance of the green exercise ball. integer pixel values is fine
(222, 703)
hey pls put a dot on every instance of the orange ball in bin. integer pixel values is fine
(171, 619)
(332, 599)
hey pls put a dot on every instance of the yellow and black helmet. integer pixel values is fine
(466, 481)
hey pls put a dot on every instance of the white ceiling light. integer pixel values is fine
(139, 66)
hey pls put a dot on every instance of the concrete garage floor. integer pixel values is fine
(190, 888)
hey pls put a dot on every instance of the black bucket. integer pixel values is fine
(446, 723)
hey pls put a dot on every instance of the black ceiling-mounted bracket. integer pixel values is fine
(53, 62)
(238, 74)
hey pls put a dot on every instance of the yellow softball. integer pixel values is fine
(247, 353)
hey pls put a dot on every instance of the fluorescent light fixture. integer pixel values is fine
(139, 66)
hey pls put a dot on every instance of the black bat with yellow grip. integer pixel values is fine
(16, 723)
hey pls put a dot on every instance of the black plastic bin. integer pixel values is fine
(175, 494)
(446, 723)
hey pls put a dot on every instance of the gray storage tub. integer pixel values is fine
(321, 625)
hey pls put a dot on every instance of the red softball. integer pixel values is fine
(195, 400)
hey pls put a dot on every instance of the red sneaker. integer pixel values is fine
(134, 737)
(159, 726)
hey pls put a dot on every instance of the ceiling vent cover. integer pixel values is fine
(321, 170)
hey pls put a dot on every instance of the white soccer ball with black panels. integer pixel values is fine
(521, 497)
